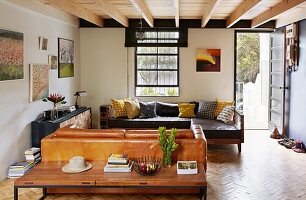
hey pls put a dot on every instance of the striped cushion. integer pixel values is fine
(227, 114)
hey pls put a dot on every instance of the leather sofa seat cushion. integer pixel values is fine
(214, 129)
(155, 122)
(89, 133)
(153, 134)
(167, 109)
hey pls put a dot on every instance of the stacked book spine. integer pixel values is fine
(118, 163)
(33, 155)
(20, 168)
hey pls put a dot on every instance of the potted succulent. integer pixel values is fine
(55, 99)
(167, 144)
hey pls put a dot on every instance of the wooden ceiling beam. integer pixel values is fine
(145, 12)
(275, 11)
(75, 9)
(213, 5)
(112, 11)
(240, 11)
(176, 6)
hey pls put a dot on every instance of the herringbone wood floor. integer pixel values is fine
(263, 171)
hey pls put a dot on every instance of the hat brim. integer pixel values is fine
(68, 170)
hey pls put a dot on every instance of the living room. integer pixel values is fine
(105, 68)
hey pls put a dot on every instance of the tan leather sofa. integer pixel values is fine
(97, 145)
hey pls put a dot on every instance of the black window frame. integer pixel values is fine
(156, 86)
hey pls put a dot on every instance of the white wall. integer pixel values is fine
(16, 113)
(108, 67)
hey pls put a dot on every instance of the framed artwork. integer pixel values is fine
(53, 61)
(39, 81)
(43, 43)
(11, 55)
(65, 58)
(208, 60)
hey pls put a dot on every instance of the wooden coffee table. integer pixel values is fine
(49, 175)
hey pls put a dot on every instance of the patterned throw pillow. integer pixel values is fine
(227, 114)
(207, 109)
(132, 108)
(186, 110)
(221, 105)
(119, 107)
(147, 109)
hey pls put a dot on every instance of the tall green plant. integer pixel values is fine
(167, 144)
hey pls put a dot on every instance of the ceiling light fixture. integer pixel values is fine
(140, 35)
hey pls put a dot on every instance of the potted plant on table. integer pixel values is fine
(167, 144)
(55, 99)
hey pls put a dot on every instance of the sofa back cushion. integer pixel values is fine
(167, 109)
(88, 133)
(62, 149)
(153, 134)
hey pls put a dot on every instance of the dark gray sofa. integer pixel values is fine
(216, 132)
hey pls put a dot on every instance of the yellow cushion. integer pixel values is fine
(186, 110)
(119, 107)
(221, 105)
(132, 108)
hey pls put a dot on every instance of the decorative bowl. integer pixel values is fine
(148, 165)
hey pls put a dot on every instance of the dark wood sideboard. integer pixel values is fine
(42, 127)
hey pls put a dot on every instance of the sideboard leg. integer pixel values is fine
(15, 193)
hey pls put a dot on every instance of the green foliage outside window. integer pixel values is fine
(248, 57)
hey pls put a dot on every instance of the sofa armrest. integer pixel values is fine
(239, 122)
(199, 135)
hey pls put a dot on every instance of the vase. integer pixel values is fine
(54, 113)
(167, 159)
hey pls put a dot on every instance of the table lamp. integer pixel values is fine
(77, 94)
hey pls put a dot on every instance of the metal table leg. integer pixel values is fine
(44, 194)
(203, 193)
(15, 193)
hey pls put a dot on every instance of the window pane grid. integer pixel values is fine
(157, 71)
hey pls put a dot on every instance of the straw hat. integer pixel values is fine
(76, 164)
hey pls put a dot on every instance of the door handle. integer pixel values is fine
(283, 88)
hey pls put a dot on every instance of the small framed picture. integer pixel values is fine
(43, 43)
(53, 61)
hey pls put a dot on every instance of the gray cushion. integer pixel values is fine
(207, 109)
(147, 109)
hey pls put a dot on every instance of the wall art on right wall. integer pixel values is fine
(208, 60)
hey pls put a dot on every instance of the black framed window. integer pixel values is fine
(157, 71)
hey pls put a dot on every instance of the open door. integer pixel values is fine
(277, 81)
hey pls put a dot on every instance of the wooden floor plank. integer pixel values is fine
(264, 170)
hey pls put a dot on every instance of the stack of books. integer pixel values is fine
(118, 163)
(19, 169)
(33, 155)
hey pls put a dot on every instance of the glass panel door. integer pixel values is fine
(277, 83)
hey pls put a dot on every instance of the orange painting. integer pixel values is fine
(39, 81)
(208, 60)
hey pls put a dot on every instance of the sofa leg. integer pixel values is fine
(239, 147)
